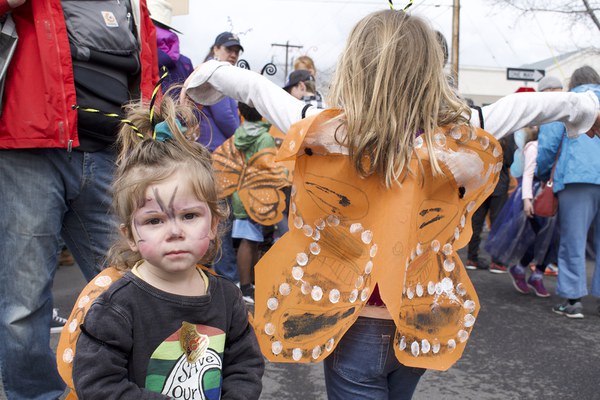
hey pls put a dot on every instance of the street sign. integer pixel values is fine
(522, 74)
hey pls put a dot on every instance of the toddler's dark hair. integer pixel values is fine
(249, 113)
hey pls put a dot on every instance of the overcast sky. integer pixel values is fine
(488, 36)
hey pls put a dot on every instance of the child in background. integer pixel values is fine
(518, 237)
(387, 137)
(166, 329)
(251, 137)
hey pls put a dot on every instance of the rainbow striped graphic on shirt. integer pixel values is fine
(170, 373)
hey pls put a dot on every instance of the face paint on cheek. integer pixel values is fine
(201, 247)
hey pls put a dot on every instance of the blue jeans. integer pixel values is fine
(363, 365)
(578, 209)
(226, 265)
(46, 193)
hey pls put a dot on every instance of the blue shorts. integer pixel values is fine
(247, 229)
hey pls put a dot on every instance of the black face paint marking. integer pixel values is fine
(169, 210)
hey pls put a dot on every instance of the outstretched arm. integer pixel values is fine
(578, 111)
(213, 80)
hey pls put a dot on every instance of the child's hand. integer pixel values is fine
(528, 207)
(595, 131)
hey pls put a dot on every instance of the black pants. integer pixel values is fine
(493, 204)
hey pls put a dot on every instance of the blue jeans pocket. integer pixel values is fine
(361, 357)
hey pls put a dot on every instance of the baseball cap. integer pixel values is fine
(549, 82)
(300, 75)
(228, 39)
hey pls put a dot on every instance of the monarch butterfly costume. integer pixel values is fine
(298, 314)
(348, 234)
(246, 170)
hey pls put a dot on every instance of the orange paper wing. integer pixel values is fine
(228, 163)
(258, 182)
(65, 352)
(348, 234)
(261, 186)
(436, 305)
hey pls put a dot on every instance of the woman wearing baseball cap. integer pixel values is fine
(217, 123)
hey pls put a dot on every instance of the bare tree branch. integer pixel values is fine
(573, 10)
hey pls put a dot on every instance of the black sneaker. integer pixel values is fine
(569, 310)
(57, 323)
(248, 293)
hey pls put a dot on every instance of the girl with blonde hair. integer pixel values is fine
(385, 184)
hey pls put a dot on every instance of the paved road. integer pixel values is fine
(519, 349)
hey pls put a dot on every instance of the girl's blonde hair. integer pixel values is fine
(143, 161)
(391, 86)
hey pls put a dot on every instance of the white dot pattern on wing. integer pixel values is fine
(445, 288)
(100, 282)
(314, 292)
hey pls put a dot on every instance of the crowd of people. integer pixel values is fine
(164, 181)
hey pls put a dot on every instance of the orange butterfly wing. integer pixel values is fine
(258, 182)
(348, 233)
(65, 352)
(228, 164)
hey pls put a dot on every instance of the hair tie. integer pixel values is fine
(162, 132)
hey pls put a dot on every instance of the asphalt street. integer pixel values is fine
(519, 349)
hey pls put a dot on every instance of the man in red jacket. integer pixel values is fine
(56, 163)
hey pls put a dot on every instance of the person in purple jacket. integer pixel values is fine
(179, 67)
(218, 123)
(220, 120)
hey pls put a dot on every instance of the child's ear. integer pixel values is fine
(125, 232)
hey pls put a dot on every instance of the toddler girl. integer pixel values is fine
(167, 328)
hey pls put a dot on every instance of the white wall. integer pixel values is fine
(565, 68)
(485, 85)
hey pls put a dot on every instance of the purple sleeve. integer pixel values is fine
(225, 116)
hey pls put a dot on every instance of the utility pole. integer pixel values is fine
(455, 34)
(287, 46)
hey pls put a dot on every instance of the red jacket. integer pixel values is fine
(39, 92)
